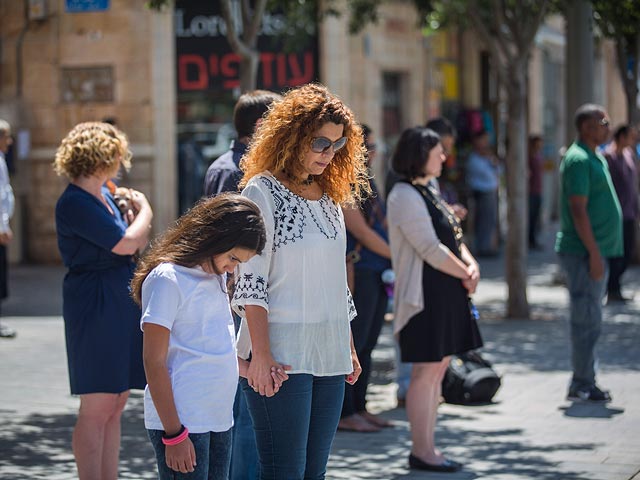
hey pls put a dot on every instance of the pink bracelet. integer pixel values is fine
(181, 437)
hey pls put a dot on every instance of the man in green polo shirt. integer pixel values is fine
(590, 232)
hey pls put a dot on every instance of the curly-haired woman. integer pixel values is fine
(303, 163)
(104, 342)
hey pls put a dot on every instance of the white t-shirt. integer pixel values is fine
(201, 359)
(300, 279)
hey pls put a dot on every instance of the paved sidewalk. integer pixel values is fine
(530, 432)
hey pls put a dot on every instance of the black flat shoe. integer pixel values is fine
(447, 466)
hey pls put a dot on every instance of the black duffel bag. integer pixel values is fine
(470, 379)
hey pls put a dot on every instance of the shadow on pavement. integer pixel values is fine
(500, 451)
(39, 446)
(582, 410)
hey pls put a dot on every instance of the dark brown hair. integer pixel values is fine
(250, 108)
(212, 227)
(412, 151)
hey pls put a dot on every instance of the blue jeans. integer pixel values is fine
(370, 299)
(213, 456)
(295, 428)
(244, 454)
(585, 318)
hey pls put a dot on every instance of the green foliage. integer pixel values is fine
(617, 19)
(157, 4)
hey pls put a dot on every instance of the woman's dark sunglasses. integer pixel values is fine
(323, 144)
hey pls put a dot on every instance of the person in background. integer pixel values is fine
(447, 133)
(306, 160)
(368, 249)
(103, 337)
(590, 232)
(7, 202)
(223, 175)
(535, 189)
(435, 274)
(482, 179)
(624, 174)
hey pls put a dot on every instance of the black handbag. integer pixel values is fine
(470, 379)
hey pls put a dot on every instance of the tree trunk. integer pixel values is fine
(249, 71)
(517, 194)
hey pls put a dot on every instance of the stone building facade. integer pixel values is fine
(59, 67)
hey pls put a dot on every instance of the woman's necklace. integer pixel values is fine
(431, 194)
(293, 179)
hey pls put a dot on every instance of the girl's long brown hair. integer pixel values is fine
(285, 134)
(213, 226)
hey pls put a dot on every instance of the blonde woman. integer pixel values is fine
(104, 342)
(301, 166)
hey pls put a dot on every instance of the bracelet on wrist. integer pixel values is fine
(176, 438)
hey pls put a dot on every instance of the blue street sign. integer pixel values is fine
(77, 6)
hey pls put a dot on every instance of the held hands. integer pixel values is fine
(471, 283)
(181, 457)
(352, 378)
(264, 374)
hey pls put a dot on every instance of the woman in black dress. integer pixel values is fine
(435, 273)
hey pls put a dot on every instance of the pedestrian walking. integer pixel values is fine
(307, 158)
(189, 338)
(104, 342)
(435, 274)
(590, 232)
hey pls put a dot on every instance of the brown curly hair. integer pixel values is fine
(285, 135)
(211, 227)
(90, 148)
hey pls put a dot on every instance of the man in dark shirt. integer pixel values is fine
(224, 174)
(624, 175)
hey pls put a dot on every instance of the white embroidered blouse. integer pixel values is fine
(300, 279)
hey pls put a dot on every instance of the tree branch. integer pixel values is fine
(490, 41)
(245, 8)
(237, 45)
(252, 29)
(511, 16)
(530, 33)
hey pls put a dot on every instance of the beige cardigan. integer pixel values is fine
(413, 241)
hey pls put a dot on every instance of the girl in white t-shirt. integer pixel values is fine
(189, 340)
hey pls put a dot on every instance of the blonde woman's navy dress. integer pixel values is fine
(104, 341)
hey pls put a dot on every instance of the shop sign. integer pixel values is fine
(206, 62)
